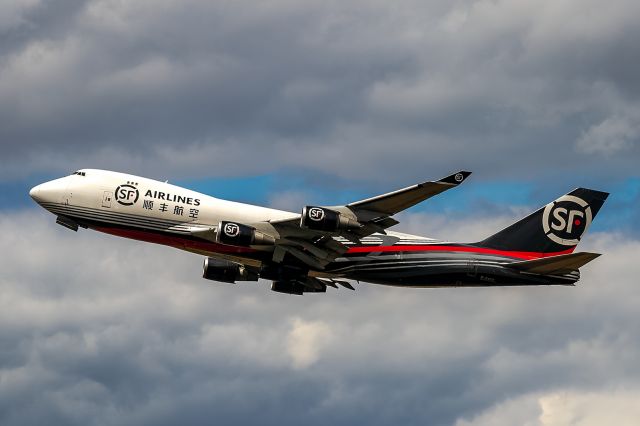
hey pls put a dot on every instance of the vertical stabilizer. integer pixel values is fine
(555, 228)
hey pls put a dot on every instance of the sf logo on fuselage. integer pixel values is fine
(231, 229)
(316, 214)
(565, 220)
(127, 194)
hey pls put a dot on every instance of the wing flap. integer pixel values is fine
(561, 264)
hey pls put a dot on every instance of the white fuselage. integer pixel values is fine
(149, 210)
(124, 193)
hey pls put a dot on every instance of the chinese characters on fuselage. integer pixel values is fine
(178, 210)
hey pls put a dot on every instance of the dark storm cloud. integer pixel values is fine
(337, 87)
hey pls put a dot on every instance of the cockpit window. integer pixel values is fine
(79, 173)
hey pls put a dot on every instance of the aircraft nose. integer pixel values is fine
(34, 192)
(49, 192)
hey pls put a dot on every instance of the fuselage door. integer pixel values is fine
(107, 196)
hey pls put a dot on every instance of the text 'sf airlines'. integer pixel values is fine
(326, 246)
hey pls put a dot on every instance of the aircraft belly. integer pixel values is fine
(443, 270)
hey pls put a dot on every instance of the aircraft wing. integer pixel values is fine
(396, 201)
(314, 244)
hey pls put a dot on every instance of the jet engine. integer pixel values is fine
(226, 272)
(237, 234)
(323, 219)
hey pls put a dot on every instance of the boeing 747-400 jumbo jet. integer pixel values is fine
(325, 246)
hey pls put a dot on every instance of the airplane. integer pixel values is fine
(324, 246)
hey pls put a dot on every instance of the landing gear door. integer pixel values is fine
(107, 196)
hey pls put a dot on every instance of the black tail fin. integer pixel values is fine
(557, 227)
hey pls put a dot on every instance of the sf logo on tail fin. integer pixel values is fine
(566, 219)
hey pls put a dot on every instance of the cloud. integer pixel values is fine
(14, 12)
(305, 340)
(563, 408)
(612, 135)
(112, 331)
(289, 200)
(338, 88)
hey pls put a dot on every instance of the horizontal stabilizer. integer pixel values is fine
(561, 264)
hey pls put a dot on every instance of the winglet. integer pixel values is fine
(456, 178)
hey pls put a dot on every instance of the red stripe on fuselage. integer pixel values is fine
(172, 240)
(464, 249)
(186, 243)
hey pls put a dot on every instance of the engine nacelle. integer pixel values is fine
(237, 234)
(323, 219)
(226, 272)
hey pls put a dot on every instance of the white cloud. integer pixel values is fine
(450, 227)
(610, 136)
(523, 411)
(563, 408)
(590, 408)
(289, 200)
(306, 340)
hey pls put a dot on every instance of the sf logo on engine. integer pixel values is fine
(565, 220)
(231, 229)
(127, 194)
(316, 214)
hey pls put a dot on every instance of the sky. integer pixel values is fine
(285, 103)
